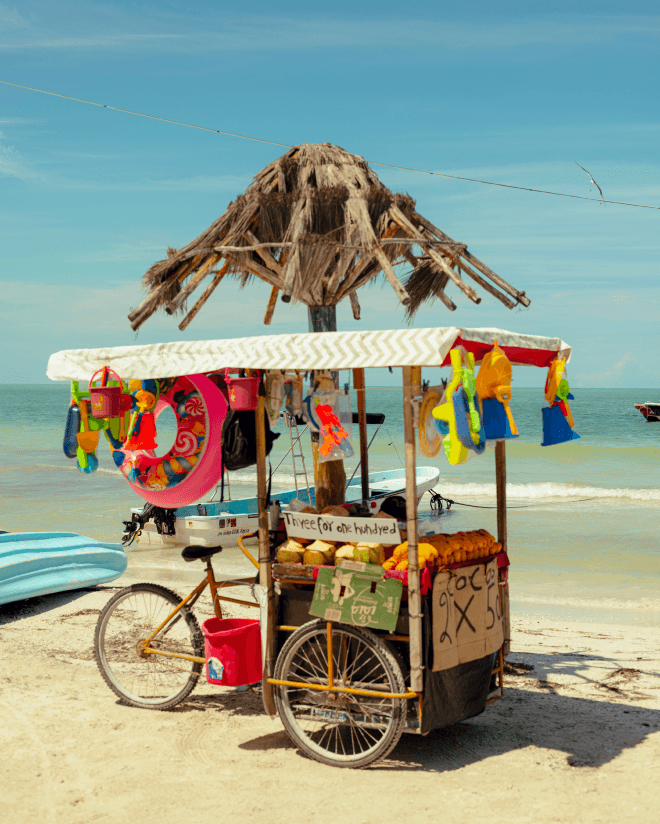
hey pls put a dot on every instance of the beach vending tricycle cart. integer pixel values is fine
(399, 637)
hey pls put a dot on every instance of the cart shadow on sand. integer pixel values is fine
(544, 715)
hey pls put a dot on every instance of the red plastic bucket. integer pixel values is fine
(105, 400)
(232, 648)
(243, 392)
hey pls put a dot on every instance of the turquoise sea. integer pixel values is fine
(584, 518)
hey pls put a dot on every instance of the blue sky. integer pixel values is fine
(510, 92)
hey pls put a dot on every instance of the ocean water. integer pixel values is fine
(583, 522)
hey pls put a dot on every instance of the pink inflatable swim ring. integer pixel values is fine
(193, 465)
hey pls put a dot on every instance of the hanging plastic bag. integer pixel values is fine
(274, 385)
(293, 394)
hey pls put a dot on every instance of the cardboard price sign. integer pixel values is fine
(467, 620)
(335, 528)
(355, 593)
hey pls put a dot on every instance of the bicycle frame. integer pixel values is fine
(209, 581)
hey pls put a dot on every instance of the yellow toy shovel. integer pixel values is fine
(87, 440)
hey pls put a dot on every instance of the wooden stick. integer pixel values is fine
(414, 595)
(265, 571)
(511, 290)
(207, 294)
(293, 263)
(254, 246)
(270, 309)
(485, 270)
(193, 283)
(355, 305)
(485, 285)
(500, 483)
(358, 385)
(262, 272)
(390, 274)
(403, 221)
(264, 254)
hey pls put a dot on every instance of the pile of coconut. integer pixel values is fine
(328, 553)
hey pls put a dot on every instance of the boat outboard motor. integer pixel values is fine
(134, 527)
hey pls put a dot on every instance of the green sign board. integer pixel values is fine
(356, 593)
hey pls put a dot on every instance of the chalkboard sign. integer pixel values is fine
(357, 594)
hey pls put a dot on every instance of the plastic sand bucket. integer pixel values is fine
(243, 392)
(106, 400)
(556, 428)
(232, 647)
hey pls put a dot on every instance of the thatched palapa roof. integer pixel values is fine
(316, 225)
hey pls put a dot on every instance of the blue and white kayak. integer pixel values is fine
(40, 563)
(215, 522)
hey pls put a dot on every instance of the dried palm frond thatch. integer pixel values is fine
(316, 225)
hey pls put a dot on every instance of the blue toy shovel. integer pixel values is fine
(461, 403)
(555, 427)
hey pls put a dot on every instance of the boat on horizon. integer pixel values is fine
(650, 410)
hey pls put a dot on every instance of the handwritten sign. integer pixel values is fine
(357, 594)
(467, 619)
(348, 530)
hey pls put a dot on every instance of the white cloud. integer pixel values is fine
(101, 41)
(607, 377)
(259, 33)
(11, 19)
(12, 164)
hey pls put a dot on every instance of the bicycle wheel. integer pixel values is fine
(143, 680)
(340, 729)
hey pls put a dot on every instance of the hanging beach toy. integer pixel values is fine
(493, 385)
(430, 439)
(105, 400)
(243, 392)
(142, 430)
(469, 427)
(557, 417)
(454, 450)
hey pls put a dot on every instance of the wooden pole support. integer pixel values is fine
(265, 571)
(358, 385)
(414, 596)
(500, 483)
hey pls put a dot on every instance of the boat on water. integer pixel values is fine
(650, 410)
(40, 563)
(223, 522)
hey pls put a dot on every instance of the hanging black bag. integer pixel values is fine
(239, 439)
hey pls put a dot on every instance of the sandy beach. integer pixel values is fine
(576, 738)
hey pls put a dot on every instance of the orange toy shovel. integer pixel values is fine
(87, 441)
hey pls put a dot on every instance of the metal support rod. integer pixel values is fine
(265, 572)
(358, 385)
(414, 596)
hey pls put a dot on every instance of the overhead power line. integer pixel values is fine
(288, 146)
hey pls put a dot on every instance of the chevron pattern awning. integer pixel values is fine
(305, 351)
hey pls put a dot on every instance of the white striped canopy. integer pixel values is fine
(304, 351)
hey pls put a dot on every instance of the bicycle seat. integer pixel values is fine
(199, 553)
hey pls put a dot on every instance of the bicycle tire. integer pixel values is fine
(130, 617)
(365, 729)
